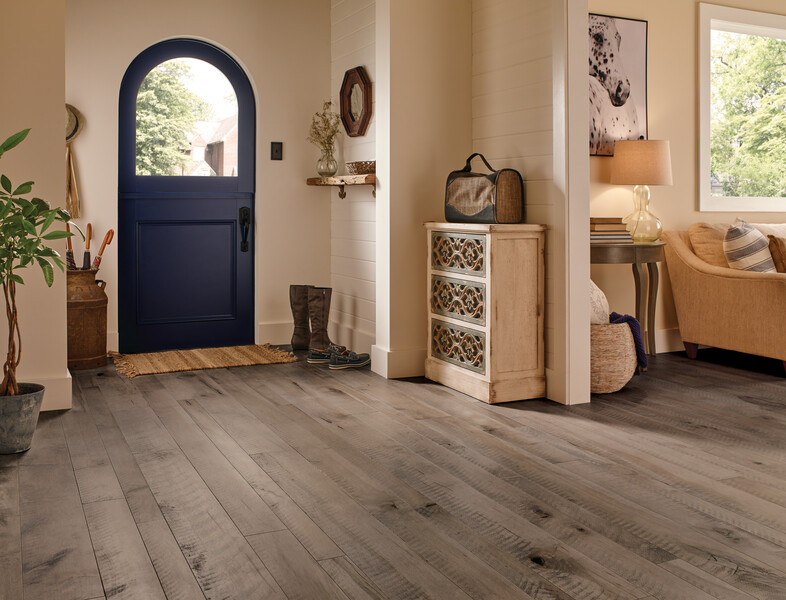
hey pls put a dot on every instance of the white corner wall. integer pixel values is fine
(32, 50)
(284, 48)
(423, 115)
(521, 84)
(352, 225)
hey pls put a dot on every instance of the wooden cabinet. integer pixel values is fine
(485, 306)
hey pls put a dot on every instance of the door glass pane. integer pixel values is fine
(186, 121)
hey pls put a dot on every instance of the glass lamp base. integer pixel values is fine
(641, 223)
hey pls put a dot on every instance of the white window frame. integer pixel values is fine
(735, 20)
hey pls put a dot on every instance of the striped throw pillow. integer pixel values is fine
(747, 249)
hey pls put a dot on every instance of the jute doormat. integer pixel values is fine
(149, 363)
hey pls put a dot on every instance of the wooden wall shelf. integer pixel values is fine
(340, 181)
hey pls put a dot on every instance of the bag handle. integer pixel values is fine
(468, 167)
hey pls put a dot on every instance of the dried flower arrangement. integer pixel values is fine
(324, 128)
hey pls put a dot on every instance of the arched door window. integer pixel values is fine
(186, 121)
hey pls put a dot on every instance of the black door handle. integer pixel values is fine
(245, 223)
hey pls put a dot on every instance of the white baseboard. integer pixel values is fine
(668, 340)
(276, 333)
(57, 395)
(352, 338)
(394, 364)
(112, 341)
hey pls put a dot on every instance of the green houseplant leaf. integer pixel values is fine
(13, 141)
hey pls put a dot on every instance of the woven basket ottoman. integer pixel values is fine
(612, 357)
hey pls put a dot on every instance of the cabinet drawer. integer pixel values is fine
(458, 253)
(459, 299)
(460, 346)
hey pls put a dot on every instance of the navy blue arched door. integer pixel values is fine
(185, 231)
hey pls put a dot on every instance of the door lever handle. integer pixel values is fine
(245, 224)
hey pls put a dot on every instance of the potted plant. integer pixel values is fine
(24, 231)
(323, 132)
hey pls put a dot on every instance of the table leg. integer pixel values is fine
(638, 271)
(652, 268)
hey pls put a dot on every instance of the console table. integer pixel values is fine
(637, 255)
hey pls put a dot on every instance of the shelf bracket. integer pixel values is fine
(341, 192)
(373, 190)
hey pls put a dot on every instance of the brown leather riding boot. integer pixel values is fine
(318, 312)
(298, 302)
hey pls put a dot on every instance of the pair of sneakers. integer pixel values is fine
(337, 357)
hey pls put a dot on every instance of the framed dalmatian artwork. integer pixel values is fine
(617, 82)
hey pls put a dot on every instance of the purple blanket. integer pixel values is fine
(635, 329)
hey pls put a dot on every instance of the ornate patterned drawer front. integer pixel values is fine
(460, 299)
(458, 252)
(460, 346)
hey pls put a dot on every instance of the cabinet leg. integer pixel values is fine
(691, 349)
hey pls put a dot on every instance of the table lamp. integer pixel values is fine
(641, 163)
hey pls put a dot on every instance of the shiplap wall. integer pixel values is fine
(353, 263)
(512, 111)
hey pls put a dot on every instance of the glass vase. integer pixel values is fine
(641, 223)
(327, 165)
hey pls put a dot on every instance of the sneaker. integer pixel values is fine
(317, 356)
(349, 360)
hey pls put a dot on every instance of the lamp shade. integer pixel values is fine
(641, 162)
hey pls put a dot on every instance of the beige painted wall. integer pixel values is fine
(284, 48)
(673, 115)
(423, 71)
(352, 225)
(32, 48)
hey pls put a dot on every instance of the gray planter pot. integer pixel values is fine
(18, 418)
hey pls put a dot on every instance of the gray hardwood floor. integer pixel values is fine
(296, 482)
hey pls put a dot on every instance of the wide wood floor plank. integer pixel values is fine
(10, 535)
(352, 581)
(57, 556)
(295, 570)
(126, 570)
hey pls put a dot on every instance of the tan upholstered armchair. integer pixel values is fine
(723, 307)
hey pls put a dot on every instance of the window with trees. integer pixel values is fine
(186, 121)
(742, 110)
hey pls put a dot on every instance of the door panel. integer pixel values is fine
(186, 279)
(191, 267)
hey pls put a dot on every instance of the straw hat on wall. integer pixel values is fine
(73, 123)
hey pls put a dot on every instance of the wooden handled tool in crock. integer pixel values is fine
(70, 263)
(86, 257)
(107, 240)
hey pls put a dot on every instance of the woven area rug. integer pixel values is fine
(171, 361)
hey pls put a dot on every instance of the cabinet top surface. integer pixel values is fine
(486, 227)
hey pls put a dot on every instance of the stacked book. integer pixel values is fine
(609, 230)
